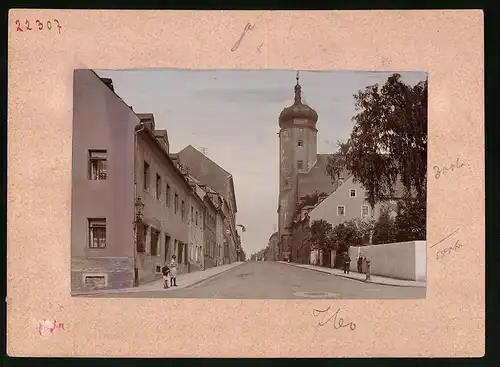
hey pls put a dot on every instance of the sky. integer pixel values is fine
(233, 114)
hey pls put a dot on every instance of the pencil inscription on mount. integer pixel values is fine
(338, 322)
(247, 28)
(440, 171)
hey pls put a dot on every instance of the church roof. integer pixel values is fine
(317, 179)
(298, 110)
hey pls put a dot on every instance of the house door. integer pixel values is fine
(327, 257)
(167, 247)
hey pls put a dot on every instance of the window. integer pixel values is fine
(167, 196)
(97, 164)
(183, 210)
(155, 239)
(158, 186)
(95, 280)
(176, 203)
(197, 217)
(300, 143)
(301, 130)
(340, 210)
(192, 214)
(300, 164)
(97, 233)
(146, 176)
(364, 210)
(352, 193)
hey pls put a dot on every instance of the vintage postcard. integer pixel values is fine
(242, 184)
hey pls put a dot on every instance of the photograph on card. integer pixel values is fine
(249, 184)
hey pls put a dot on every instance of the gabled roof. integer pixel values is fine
(317, 179)
(208, 172)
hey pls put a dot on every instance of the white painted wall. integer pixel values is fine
(421, 260)
(403, 260)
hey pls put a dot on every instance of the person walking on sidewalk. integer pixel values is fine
(360, 264)
(173, 272)
(166, 272)
(347, 263)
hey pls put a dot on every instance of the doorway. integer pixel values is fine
(167, 247)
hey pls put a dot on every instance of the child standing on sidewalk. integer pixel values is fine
(166, 271)
(173, 272)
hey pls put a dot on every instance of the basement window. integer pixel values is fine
(95, 280)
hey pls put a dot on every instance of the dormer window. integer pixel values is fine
(300, 143)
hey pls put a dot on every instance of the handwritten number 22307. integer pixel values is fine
(39, 25)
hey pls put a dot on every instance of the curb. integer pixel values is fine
(118, 291)
(358, 280)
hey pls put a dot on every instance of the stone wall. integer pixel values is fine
(119, 272)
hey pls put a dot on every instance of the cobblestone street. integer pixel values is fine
(274, 280)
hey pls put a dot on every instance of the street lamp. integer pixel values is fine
(139, 209)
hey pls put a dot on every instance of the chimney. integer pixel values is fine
(109, 83)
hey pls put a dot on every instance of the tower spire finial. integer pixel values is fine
(297, 91)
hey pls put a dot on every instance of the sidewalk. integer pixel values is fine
(183, 281)
(375, 279)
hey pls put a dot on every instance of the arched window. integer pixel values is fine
(300, 143)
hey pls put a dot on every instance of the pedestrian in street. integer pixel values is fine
(360, 264)
(347, 263)
(166, 272)
(173, 272)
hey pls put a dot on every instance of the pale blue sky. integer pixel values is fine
(234, 114)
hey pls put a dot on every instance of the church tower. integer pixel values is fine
(298, 152)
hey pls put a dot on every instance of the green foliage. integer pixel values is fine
(385, 230)
(321, 231)
(345, 235)
(411, 219)
(364, 227)
(388, 140)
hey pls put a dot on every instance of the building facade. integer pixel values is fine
(164, 229)
(102, 252)
(219, 235)
(210, 174)
(196, 229)
(210, 233)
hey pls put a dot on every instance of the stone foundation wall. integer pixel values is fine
(118, 273)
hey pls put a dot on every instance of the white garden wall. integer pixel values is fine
(403, 260)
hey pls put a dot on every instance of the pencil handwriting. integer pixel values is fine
(446, 251)
(440, 171)
(248, 27)
(326, 317)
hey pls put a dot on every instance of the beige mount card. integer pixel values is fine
(44, 49)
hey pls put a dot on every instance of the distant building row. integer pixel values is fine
(134, 204)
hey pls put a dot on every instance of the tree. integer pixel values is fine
(321, 234)
(345, 235)
(364, 227)
(384, 230)
(388, 141)
(411, 219)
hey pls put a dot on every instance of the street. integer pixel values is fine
(272, 280)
